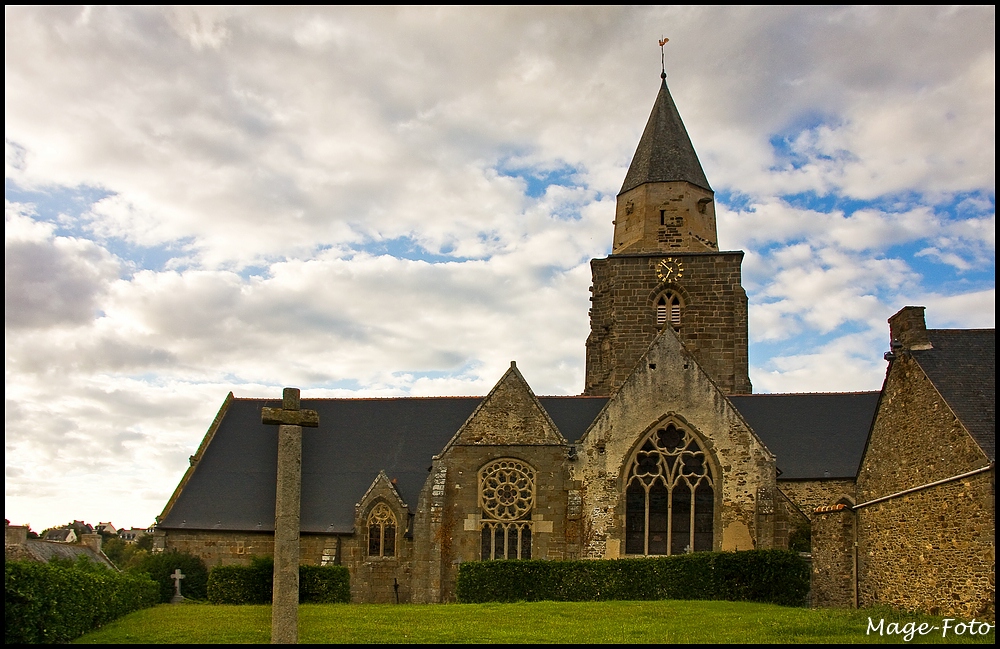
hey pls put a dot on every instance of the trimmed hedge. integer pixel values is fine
(253, 584)
(324, 584)
(772, 576)
(50, 603)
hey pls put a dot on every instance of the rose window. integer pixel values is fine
(507, 490)
(506, 495)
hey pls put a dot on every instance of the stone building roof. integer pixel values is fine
(61, 535)
(819, 435)
(962, 366)
(665, 152)
(45, 551)
(231, 484)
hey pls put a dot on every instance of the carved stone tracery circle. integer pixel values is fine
(507, 489)
(381, 515)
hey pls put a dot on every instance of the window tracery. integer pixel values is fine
(381, 531)
(670, 495)
(506, 498)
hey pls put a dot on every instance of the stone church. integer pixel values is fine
(667, 450)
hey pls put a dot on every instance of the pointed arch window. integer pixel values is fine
(668, 309)
(506, 499)
(669, 495)
(381, 531)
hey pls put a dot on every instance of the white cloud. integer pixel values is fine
(838, 366)
(48, 280)
(274, 160)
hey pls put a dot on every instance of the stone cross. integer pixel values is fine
(177, 576)
(285, 602)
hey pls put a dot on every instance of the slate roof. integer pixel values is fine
(45, 551)
(665, 152)
(813, 436)
(233, 484)
(58, 535)
(962, 366)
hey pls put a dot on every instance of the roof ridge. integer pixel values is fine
(794, 394)
(427, 398)
(956, 330)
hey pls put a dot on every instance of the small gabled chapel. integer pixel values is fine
(666, 451)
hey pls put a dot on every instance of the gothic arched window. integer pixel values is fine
(381, 532)
(669, 495)
(668, 309)
(506, 498)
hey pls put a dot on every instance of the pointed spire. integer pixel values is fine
(665, 152)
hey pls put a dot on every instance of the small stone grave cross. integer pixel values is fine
(177, 576)
(290, 419)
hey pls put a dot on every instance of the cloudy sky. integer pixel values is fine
(382, 202)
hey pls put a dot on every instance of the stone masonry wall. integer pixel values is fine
(226, 548)
(432, 530)
(623, 316)
(833, 557)
(508, 423)
(461, 514)
(374, 579)
(932, 550)
(810, 494)
(665, 217)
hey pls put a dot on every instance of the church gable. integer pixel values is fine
(381, 489)
(510, 415)
(667, 396)
(668, 381)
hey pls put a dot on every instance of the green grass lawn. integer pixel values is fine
(549, 622)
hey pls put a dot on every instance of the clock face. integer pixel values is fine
(669, 269)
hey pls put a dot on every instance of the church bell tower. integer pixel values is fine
(665, 269)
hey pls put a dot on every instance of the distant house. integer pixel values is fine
(105, 528)
(82, 527)
(61, 535)
(133, 534)
(18, 547)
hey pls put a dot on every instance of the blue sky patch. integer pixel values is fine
(735, 200)
(153, 258)
(787, 154)
(51, 202)
(537, 181)
(407, 247)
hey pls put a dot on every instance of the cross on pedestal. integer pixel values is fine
(285, 601)
(177, 576)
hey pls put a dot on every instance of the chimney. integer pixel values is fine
(15, 534)
(908, 328)
(93, 541)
